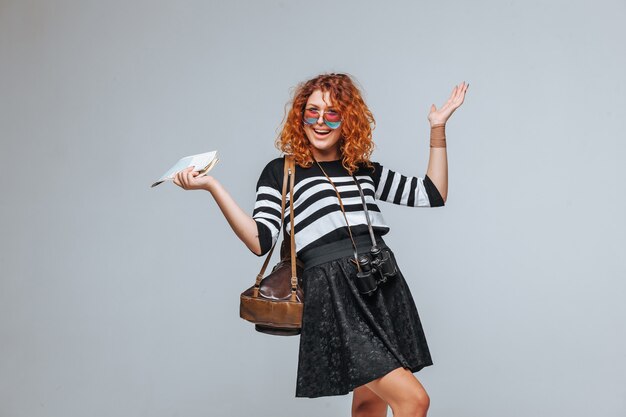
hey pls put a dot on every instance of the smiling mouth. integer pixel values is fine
(321, 132)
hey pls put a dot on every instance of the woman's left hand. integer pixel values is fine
(441, 115)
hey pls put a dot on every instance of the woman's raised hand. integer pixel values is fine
(187, 180)
(441, 115)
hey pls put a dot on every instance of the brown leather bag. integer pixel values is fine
(275, 303)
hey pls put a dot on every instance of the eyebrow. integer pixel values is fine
(316, 106)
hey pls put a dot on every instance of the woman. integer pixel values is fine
(370, 344)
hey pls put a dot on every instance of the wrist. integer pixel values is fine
(438, 135)
(210, 184)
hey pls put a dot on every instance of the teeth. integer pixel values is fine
(321, 131)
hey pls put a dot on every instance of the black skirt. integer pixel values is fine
(349, 339)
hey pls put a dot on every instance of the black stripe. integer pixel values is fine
(266, 209)
(316, 216)
(351, 182)
(398, 196)
(375, 174)
(265, 238)
(270, 197)
(305, 187)
(411, 201)
(372, 207)
(367, 180)
(329, 192)
(433, 193)
(274, 222)
(326, 210)
(387, 187)
(305, 204)
(331, 210)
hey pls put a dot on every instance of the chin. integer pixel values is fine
(323, 149)
(323, 144)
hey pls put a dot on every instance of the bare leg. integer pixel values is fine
(365, 403)
(403, 392)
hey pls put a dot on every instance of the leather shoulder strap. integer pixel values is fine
(294, 278)
(259, 277)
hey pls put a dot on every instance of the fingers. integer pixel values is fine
(457, 90)
(453, 91)
(455, 94)
(178, 181)
(188, 176)
(461, 92)
(456, 98)
(184, 178)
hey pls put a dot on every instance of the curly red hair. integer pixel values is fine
(356, 143)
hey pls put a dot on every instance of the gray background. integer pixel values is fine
(121, 300)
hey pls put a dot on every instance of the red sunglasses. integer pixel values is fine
(331, 118)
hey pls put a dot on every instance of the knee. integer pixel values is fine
(423, 402)
(415, 406)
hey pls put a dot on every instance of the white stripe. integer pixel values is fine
(421, 198)
(405, 193)
(268, 204)
(263, 215)
(270, 225)
(326, 201)
(334, 221)
(381, 182)
(394, 187)
(271, 191)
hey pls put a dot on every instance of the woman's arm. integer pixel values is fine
(242, 224)
(438, 170)
(438, 160)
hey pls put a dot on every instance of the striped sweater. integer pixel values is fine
(318, 216)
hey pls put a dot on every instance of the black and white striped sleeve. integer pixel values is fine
(267, 207)
(396, 188)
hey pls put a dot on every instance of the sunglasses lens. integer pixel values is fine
(311, 114)
(331, 119)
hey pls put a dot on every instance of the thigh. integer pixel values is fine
(399, 388)
(367, 403)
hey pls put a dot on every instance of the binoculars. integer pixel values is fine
(376, 268)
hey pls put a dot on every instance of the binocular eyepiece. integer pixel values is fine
(376, 267)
